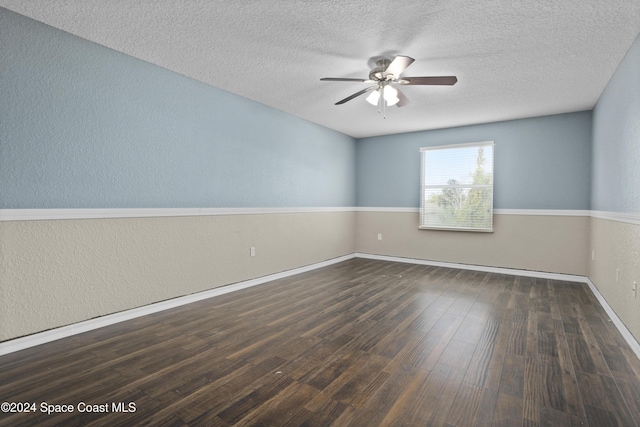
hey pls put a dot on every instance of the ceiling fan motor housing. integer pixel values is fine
(377, 74)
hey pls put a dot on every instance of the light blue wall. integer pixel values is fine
(83, 126)
(540, 163)
(616, 139)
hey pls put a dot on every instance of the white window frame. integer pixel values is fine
(424, 209)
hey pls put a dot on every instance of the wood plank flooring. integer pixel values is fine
(360, 343)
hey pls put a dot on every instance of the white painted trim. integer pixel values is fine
(534, 212)
(629, 218)
(541, 212)
(51, 214)
(22, 343)
(626, 334)
(56, 214)
(413, 210)
(487, 269)
(17, 344)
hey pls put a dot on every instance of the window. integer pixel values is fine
(457, 187)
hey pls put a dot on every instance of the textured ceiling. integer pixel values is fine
(513, 59)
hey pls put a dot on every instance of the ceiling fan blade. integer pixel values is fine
(398, 65)
(441, 80)
(403, 99)
(355, 95)
(340, 79)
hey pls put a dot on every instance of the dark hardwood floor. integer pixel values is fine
(360, 343)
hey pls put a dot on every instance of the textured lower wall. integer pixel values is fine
(616, 245)
(557, 244)
(58, 272)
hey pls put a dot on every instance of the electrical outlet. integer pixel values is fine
(593, 255)
(634, 288)
(252, 251)
(379, 236)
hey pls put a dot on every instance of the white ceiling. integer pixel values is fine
(513, 58)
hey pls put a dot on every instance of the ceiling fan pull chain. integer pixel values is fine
(384, 103)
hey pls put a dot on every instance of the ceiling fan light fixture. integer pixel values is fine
(373, 97)
(386, 74)
(392, 101)
(390, 95)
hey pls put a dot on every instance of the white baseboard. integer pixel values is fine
(626, 334)
(22, 343)
(38, 338)
(499, 270)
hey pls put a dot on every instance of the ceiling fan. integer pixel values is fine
(386, 79)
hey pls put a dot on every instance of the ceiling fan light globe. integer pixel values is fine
(390, 92)
(373, 98)
(390, 95)
(392, 101)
